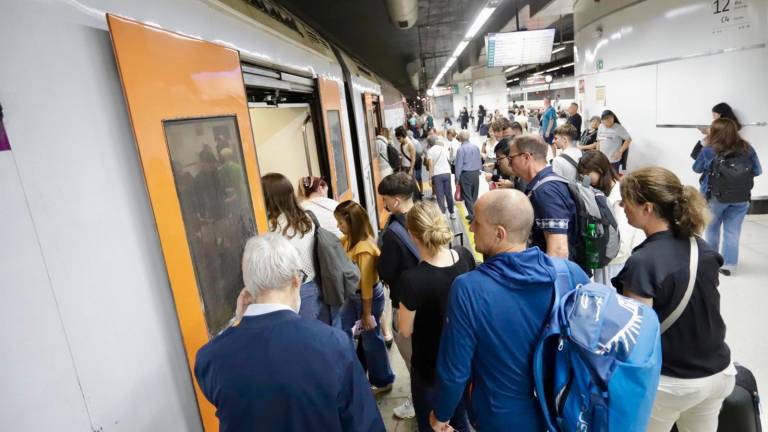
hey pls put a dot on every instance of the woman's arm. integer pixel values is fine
(405, 320)
(368, 277)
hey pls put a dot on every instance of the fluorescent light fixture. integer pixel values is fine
(553, 69)
(513, 80)
(449, 63)
(567, 65)
(511, 69)
(482, 17)
(539, 73)
(557, 50)
(463, 44)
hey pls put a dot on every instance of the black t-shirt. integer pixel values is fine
(575, 120)
(395, 258)
(426, 290)
(694, 347)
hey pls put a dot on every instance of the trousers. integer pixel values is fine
(470, 187)
(441, 185)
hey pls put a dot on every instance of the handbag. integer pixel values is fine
(457, 194)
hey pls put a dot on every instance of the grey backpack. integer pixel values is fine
(338, 277)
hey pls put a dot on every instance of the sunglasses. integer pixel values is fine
(304, 276)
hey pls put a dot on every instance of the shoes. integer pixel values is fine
(379, 390)
(725, 271)
(453, 216)
(405, 411)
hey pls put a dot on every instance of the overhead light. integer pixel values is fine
(539, 73)
(450, 63)
(553, 69)
(511, 69)
(430, 92)
(569, 64)
(513, 80)
(548, 78)
(482, 17)
(557, 50)
(463, 44)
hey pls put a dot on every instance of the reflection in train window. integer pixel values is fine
(340, 165)
(208, 168)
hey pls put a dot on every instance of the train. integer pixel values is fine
(138, 133)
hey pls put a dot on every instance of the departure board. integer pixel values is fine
(519, 48)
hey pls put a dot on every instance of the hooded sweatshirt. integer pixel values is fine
(495, 316)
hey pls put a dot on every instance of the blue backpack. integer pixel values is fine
(597, 363)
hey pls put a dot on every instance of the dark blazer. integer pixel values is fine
(279, 372)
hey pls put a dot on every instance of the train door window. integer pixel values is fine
(337, 144)
(285, 140)
(207, 161)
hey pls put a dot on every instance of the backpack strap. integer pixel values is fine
(314, 219)
(694, 268)
(570, 160)
(548, 179)
(383, 155)
(399, 231)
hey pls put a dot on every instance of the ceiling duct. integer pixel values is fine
(413, 69)
(403, 13)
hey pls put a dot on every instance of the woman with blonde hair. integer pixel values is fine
(676, 272)
(367, 304)
(425, 292)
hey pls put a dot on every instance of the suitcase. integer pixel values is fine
(741, 410)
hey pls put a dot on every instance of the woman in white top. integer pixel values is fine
(603, 177)
(286, 217)
(313, 193)
(440, 172)
(613, 140)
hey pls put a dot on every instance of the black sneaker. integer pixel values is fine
(724, 271)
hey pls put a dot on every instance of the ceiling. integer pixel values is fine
(362, 29)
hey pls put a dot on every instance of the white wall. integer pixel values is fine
(692, 63)
(91, 337)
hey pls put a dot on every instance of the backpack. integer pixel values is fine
(339, 277)
(591, 208)
(569, 159)
(597, 363)
(393, 157)
(731, 178)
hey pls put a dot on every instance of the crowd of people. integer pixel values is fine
(466, 330)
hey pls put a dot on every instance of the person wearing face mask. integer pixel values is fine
(398, 254)
(308, 379)
(367, 304)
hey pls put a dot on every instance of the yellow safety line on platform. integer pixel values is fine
(470, 234)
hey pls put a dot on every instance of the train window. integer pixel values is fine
(339, 162)
(207, 160)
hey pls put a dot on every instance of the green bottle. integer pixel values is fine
(592, 256)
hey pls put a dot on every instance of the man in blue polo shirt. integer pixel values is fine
(554, 229)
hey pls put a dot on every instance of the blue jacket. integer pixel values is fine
(278, 372)
(704, 162)
(495, 316)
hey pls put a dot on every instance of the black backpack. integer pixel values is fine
(591, 208)
(393, 157)
(731, 177)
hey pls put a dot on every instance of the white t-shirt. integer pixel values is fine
(305, 245)
(385, 168)
(611, 139)
(565, 168)
(439, 157)
(453, 149)
(629, 236)
(323, 208)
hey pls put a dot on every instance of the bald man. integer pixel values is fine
(495, 315)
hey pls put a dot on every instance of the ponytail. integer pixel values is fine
(426, 223)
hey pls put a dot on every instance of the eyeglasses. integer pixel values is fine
(304, 276)
(510, 157)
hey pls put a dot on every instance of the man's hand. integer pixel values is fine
(243, 300)
(437, 425)
(368, 322)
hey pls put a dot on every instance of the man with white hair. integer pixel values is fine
(275, 370)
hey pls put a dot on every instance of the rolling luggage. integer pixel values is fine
(741, 410)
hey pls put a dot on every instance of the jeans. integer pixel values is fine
(730, 216)
(311, 305)
(441, 184)
(425, 397)
(693, 404)
(331, 316)
(377, 358)
(470, 185)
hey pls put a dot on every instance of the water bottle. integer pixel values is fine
(592, 255)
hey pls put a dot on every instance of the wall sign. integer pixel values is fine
(731, 15)
(581, 86)
(600, 94)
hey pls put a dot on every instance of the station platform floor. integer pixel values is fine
(743, 303)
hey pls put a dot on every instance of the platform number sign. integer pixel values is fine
(731, 15)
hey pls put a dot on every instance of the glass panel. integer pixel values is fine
(334, 128)
(215, 200)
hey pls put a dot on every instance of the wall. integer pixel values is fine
(649, 82)
(90, 333)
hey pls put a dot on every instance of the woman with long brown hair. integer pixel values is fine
(675, 272)
(287, 218)
(603, 177)
(728, 165)
(367, 304)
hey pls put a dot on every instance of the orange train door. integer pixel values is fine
(189, 113)
(330, 103)
(372, 124)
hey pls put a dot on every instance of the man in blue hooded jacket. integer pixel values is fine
(495, 315)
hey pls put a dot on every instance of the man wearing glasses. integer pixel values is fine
(554, 229)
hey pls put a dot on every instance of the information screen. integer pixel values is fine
(520, 48)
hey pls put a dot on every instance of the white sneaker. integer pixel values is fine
(453, 216)
(405, 411)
